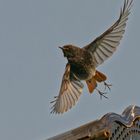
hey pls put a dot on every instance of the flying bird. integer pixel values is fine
(83, 62)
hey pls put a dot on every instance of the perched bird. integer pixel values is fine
(82, 63)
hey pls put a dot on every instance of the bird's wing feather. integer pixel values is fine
(106, 44)
(70, 91)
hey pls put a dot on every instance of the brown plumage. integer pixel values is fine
(82, 63)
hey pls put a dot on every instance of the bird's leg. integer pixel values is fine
(107, 86)
(102, 94)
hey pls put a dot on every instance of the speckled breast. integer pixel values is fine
(83, 72)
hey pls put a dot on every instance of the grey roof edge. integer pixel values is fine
(101, 128)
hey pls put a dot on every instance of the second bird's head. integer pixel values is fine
(69, 50)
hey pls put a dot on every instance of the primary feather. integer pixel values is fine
(106, 44)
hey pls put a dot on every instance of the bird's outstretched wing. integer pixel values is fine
(105, 45)
(70, 91)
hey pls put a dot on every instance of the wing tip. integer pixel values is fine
(65, 102)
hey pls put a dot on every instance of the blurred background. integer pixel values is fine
(32, 65)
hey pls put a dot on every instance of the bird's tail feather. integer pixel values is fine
(92, 83)
(100, 77)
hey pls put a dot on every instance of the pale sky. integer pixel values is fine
(32, 65)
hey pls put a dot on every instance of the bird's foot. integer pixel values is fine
(107, 86)
(102, 94)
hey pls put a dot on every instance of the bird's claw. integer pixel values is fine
(107, 86)
(102, 94)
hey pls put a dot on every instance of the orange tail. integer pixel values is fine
(91, 84)
(100, 77)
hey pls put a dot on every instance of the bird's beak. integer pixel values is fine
(61, 48)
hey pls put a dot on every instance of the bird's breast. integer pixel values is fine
(83, 72)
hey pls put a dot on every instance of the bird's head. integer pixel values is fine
(68, 50)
